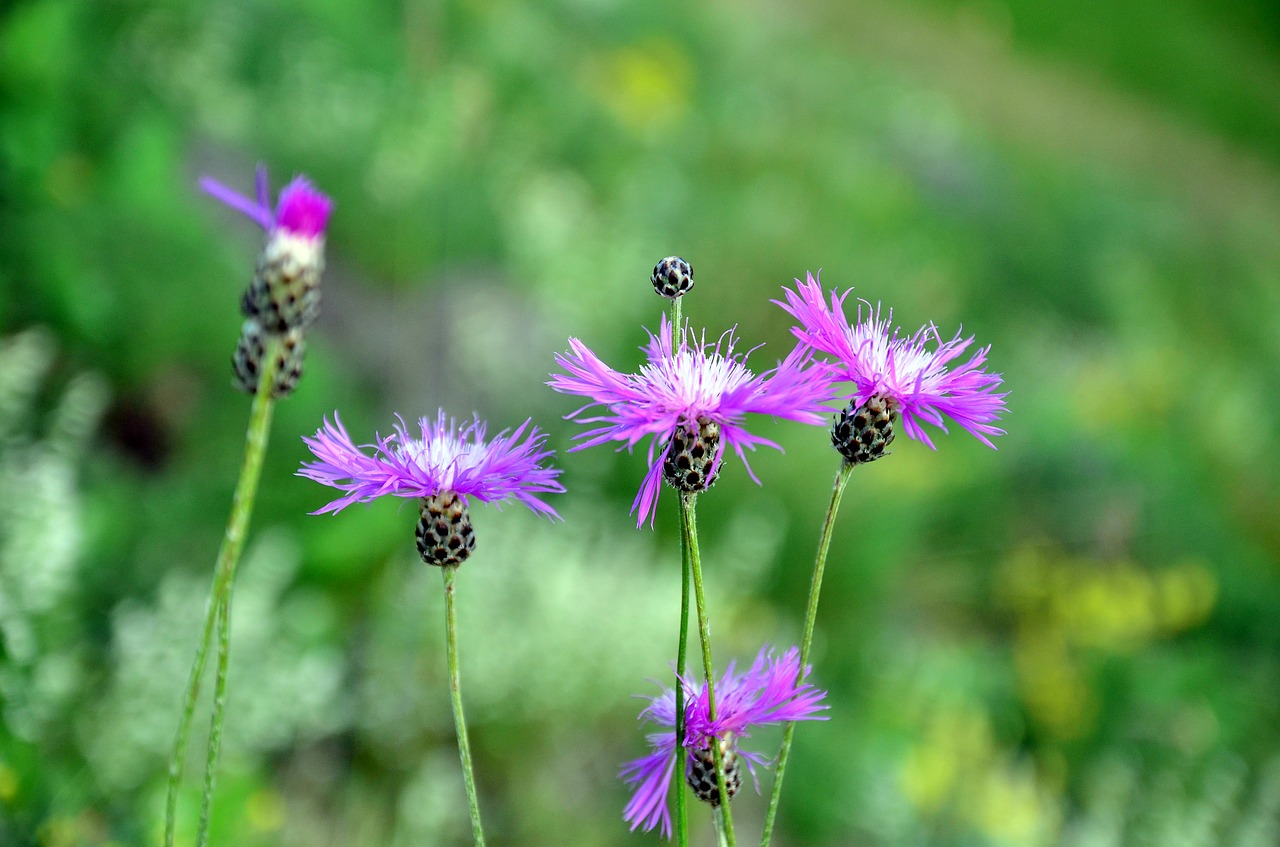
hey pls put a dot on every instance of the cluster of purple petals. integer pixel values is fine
(443, 456)
(301, 209)
(679, 385)
(919, 371)
(771, 691)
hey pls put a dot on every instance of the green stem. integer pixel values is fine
(255, 449)
(216, 719)
(682, 658)
(810, 617)
(455, 696)
(689, 524)
(682, 652)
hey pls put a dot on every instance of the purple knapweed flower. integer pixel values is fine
(285, 292)
(901, 373)
(767, 693)
(690, 400)
(444, 468)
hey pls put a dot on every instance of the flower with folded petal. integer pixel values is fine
(690, 400)
(444, 466)
(300, 210)
(913, 376)
(767, 693)
(285, 292)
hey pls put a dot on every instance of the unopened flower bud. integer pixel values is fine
(672, 277)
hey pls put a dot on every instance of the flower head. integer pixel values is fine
(918, 382)
(285, 292)
(690, 400)
(771, 691)
(447, 458)
(301, 210)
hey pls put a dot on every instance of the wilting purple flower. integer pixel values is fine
(683, 391)
(285, 292)
(916, 379)
(766, 694)
(446, 458)
(301, 210)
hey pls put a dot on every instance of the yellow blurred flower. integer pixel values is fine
(646, 86)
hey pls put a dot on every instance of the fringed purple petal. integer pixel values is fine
(651, 776)
(447, 457)
(257, 212)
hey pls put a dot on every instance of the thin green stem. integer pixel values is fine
(689, 524)
(682, 659)
(255, 449)
(216, 719)
(455, 697)
(810, 617)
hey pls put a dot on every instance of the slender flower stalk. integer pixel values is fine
(682, 658)
(894, 376)
(218, 716)
(672, 278)
(810, 617)
(455, 698)
(219, 598)
(444, 467)
(689, 533)
(686, 576)
(766, 694)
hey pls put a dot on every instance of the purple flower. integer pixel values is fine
(768, 693)
(301, 210)
(447, 458)
(916, 380)
(682, 394)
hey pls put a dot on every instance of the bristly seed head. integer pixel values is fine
(701, 774)
(862, 432)
(246, 363)
(444, 531)
(672, 277)
(692, 461)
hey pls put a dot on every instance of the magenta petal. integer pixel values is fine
(256, 212)
(447, 457)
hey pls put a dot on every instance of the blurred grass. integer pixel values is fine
(1073, 640)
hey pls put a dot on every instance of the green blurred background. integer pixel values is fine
(1073, 640)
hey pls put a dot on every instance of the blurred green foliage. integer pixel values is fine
(1074, 640)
